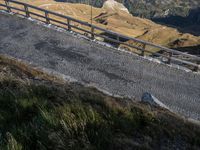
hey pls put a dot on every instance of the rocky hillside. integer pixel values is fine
(187, 24)
(160, 8)
(40, 111)
(150, 8)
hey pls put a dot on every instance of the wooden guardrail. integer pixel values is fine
(191, 60)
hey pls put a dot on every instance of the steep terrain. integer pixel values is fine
(160, 8)
(177, 13)
(150, 8)
(116, 17)
(186, 24)
(40, 111)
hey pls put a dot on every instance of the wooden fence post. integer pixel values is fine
(26, 10)
(68, 25)
(47, 17)
(7, 5)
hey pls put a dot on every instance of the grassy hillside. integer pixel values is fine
(40, 111)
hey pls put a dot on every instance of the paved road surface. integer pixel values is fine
(114, 71)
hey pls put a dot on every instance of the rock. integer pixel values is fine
(152, 100)
(112, 5)
(148, 98)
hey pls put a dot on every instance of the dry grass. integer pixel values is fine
(20, 70)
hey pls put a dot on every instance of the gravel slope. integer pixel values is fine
(110, 70)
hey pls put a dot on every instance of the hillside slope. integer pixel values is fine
(178, 13)
(39, 111)
(150, 8)
(160, 8)
(121, 21)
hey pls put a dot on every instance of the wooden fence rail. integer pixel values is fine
(192, 60)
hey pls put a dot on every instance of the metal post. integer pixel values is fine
(92, 32)
(47, 17)
(118, 38)
(7, 5)
(92, 28)
(91, 11)
(26, 10)
(195, 68)
(169, 59)
(143, 49)
(68, 24)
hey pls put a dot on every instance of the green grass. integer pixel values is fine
(48, 115)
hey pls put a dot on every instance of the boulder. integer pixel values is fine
(148, 98)
(152, 100)
(112, 5)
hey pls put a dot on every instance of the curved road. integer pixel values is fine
(117, 72)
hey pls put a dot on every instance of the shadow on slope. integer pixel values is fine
(189, 24)
(194, 50)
